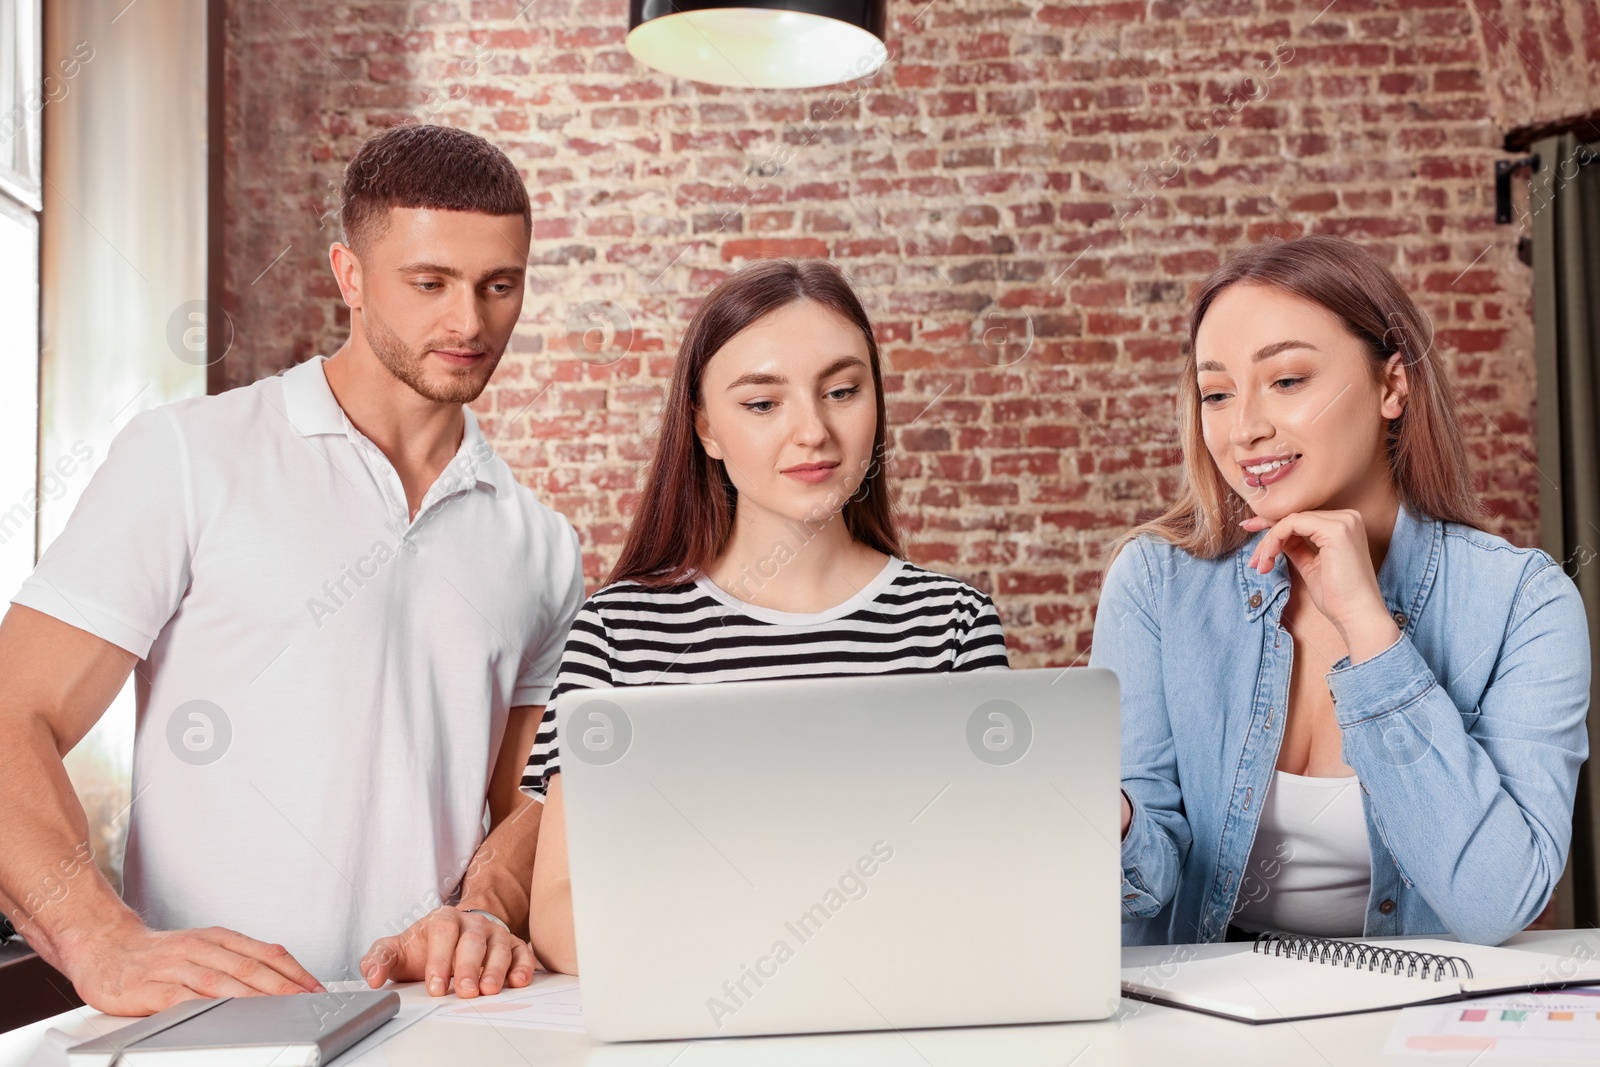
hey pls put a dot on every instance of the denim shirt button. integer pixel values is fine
(1400, 619)
(1387, 907)
(1255, 600)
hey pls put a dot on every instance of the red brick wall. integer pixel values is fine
(1542, 58)
(1055, 171)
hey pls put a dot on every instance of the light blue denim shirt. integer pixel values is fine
(1466, 734)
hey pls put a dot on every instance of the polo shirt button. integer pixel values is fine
(1387, 907)
(1400, 619)
(1255, 600)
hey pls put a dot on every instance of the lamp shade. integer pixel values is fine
(759, 44)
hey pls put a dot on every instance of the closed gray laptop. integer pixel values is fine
(853, 853)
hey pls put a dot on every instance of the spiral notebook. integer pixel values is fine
(1282, 978)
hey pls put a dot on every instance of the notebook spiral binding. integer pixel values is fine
(1383, 959)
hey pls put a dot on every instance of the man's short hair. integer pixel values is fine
(436, 167)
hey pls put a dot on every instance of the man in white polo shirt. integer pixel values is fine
(344, 615)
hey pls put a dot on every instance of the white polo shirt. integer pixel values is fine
(325, 681)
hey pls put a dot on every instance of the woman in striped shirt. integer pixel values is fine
(765, 545)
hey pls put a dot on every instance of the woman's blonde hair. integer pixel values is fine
(1426, 456)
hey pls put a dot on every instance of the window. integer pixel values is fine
(21, 100)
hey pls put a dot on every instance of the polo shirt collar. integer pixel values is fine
(479, 460)
(308, 401)
(312, 409)
(1404, 580)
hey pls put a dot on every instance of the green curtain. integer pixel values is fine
(1564, 203)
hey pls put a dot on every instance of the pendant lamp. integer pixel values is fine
(759, 44)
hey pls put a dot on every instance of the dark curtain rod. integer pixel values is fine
(1505, 168)
(1587, 127)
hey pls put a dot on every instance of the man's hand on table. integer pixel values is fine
(130, 969)
(446, 942)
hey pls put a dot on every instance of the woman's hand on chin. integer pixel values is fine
(1329, 551)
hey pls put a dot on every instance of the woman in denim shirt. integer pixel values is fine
(1346, 709)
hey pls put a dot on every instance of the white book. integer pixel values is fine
(1281, 978)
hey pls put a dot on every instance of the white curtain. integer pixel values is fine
(124, 257)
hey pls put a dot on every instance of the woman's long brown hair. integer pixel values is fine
(1427, 459)
(685, 515)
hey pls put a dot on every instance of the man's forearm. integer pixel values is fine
(55, 683)
(50, 888)
(501, 871)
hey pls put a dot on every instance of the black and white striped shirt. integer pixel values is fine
(905, 620)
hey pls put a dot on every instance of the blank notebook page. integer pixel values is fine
(1231, 979)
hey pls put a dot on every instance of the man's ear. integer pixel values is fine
(702, 429)
(347, 272)
(1396, 387)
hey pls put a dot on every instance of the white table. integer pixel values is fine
(1139, 1034)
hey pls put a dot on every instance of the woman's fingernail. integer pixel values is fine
(467, 986)
(436, 986)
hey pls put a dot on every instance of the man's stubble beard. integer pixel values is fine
(463, 386)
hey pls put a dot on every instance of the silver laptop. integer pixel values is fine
(831, 854)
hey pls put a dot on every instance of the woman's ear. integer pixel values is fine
(702, 429)
(1396, 387)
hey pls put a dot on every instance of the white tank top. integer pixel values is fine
(1310, 869)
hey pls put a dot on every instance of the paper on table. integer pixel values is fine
(367, 1051)
(552, 1004)
(1564, 1024)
